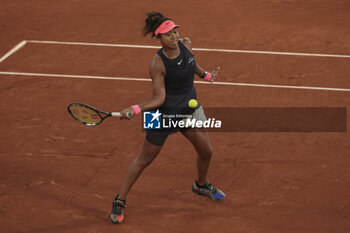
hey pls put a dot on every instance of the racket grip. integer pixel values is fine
(116, 114)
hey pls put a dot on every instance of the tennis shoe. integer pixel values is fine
(117, 214)
(208, 190)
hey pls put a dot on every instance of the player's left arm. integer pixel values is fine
(199, 70)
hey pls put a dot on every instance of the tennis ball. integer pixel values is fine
(192, 103)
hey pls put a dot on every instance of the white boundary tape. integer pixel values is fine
(200, 82)
(23, 43)
(12, 51)
(195, 49)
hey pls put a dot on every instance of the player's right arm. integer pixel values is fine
(157, 73)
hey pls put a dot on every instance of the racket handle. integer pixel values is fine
(118, 114)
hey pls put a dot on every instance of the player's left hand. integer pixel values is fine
(214, 74)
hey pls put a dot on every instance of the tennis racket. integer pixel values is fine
(89, 115)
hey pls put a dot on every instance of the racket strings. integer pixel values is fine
(85, 114)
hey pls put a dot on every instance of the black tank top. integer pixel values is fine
(179, 88)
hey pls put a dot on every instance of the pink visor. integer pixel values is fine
(165, 27)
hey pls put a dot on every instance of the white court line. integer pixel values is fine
(12, 51)
(195, 49)
(94, 44)
(74, 76)
(200, 82)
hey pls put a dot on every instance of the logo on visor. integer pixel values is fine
(152, 120)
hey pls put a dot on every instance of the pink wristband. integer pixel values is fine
(207, 77)
(136, 109)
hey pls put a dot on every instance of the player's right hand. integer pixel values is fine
(127, 113)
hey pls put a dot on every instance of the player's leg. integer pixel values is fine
(151, 148)
(201, 142)
(148, 154)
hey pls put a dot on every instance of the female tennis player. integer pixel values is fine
(172, 72)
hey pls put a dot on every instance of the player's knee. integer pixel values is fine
(144, 161)
(206, 153)
(210, 152)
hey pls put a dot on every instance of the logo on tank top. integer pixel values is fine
(190, 60)
(179, 63)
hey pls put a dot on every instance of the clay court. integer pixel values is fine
(57, 175)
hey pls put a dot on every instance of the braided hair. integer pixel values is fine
(152, 22)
